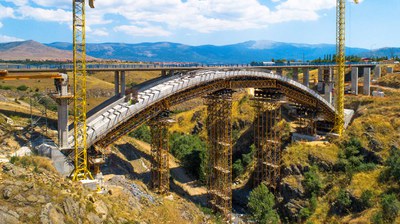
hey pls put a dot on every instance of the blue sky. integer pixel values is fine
(370, 24)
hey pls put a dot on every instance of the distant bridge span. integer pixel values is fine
(116, 119)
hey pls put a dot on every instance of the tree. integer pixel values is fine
(393, 165)
(311, 182)
(390, 207)
(261, 205)
(142, 133)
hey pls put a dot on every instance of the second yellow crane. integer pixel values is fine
(81, 170)
(341, 62)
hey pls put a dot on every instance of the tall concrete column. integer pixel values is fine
(62, 110)
(377, 72)
(320, 79)
(328, 87)
(354, 80)
(389, 69)
(171, 72)
(279, 71)
(296, 74)
(306, 77)
(367, 81)
(163, 73)
(123, 83)
(116, 82)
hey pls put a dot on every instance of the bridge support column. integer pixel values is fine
(266, 138)
(116, 83)
(377, 72)
(160, 153)
(171, 72)
(163, 72)
(306, 121)
(279, 71)
(320, 79)
(328, 86)
(367, 81)
(62, 97)
(219, 130)
(354, 80)
(306, 77)
(296, 74)
(389, 70)
(123, 83)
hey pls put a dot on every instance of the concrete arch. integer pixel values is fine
(119, 118)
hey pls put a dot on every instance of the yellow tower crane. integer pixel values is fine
(341, 62)
(81, 171)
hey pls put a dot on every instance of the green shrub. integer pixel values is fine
(377, 218)
(366, 199)
(142, 133)
(14, 159)
(343, 201)
(392, 172)
(305, 213)
(390, 207)
(5, 87)
(22, 88)
(312, 182)
(237, 168)
(191, 151)
(261, 204)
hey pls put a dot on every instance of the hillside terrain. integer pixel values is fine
(346, 180)
(32, 50)
(242, 53)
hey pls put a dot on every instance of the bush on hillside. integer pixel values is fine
(142, 133)
(392, 172)
(312, 182)
(390, 207)
(351, 159)
(261, 205)
(22, 88)
(191, 151)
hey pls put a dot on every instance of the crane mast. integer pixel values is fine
(81, 171)
(341, 62)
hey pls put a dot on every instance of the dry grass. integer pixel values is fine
(366, 181)
(131, 77)
(298, 153)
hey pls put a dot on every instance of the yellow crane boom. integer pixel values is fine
(81, 170)
(340, 61)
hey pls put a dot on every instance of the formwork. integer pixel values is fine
(160, 153)
(306, 120)
(219, 130)
(267, 106)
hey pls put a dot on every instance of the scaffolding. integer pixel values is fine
(306, 120)
(160, 153)
(219, 130)
(267, 105)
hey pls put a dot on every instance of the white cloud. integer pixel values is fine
(1, 25)
(6, 12)
(4, 38)
(53, 15)
(163, 17)
(99, 32)
(142, 31)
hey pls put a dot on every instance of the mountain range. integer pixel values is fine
(245, 52)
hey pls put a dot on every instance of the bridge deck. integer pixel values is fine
(105, 119)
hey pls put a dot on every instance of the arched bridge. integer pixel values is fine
(119, 118)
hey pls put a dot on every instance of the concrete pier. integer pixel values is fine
(279, 71)
(296, 74)
(116, 82)
(320, 79)
(354, 80)
(328, 88)
(62, 110)
(389, 69)
(367, 81)
(306, 77)
(123, 83)
(377, 72)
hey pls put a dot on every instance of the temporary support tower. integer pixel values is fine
(219, 130)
